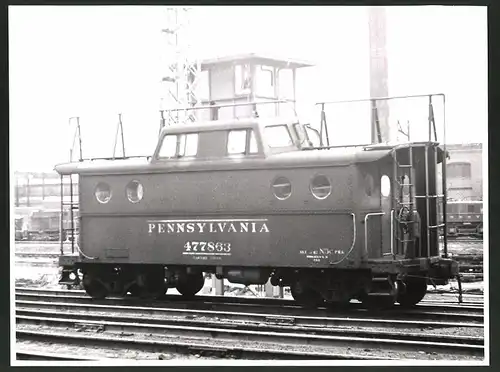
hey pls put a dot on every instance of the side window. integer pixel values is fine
(238, 142)
(168, 147)
(242, 79)
(190, 147)
(278, 136)
(180, 145)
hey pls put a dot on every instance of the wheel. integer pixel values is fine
(190, 285)
(306, 296)
(154, 286)
(94, 288)
(416, 289)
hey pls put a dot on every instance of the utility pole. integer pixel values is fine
(379, 74)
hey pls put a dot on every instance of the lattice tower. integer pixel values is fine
(180, 68)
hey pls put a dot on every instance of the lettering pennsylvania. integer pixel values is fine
(208, 226)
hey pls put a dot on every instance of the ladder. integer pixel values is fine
(404, 207)
(70, 205)
(439, 197)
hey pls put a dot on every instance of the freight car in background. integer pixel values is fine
(464, 218)
(19, 221)
(44, 225)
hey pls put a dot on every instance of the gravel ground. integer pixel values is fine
(101, 352)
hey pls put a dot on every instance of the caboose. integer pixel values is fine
(257, 199)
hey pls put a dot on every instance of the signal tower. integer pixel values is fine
(180, 68)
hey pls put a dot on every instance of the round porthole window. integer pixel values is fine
(135, 191)
(385, 186)
(321, 187)
(282, 188)
(103, 192)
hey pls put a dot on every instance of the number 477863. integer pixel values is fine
(207, 247)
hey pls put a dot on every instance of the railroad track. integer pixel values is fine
(119, 325)
(426, 310)
(38, 254)
(181, 315)
(165, 325)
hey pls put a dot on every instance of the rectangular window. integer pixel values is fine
(179, 145)
(242, 79)
(265, 81)
(238, 142)
(203, 87)
(189, 144)
(278, 136)
(168, 147)
(285, 84)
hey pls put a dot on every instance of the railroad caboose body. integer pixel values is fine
(254, 199)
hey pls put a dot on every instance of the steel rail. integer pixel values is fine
(238, 299)
(271, 324)
(425, 310)
(240, 316)
(190, 347)
(134, 325)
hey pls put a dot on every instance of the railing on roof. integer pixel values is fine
(375, 121)
(214, 109)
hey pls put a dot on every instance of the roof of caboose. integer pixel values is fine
(336, 157)
(255, 58)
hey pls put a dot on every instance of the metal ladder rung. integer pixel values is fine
(405, 203)
(405, 165)
(406, 222)
(405, 241)
(429, 196)
(436, 226)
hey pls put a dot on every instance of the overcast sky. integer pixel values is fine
(97, 61)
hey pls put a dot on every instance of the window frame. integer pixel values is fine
(178, 145)
(249, 133)
(242, 79)
(292, 142)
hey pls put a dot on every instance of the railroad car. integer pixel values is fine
(44, 224)
(19, 221)
(253, 200)
(465, 218)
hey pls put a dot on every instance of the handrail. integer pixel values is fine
(392, 234)
(353, 240)
(382, 98)
(235, 104)
(375, 119)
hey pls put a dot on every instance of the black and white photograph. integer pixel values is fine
(248, 185)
